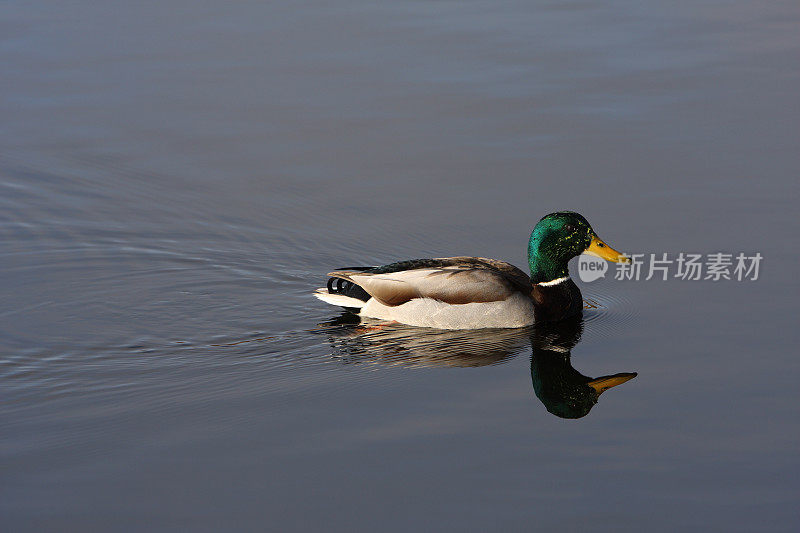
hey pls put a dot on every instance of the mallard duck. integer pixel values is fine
(475, 292)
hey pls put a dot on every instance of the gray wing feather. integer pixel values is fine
(455, 280)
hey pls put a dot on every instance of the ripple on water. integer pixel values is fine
(119, 255)
(607, 314)
(166, 369)
(263, 360)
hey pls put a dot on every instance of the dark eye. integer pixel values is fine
(569, 227)
(600, 244)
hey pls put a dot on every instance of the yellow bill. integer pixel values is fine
(603, 251)
(604, 383)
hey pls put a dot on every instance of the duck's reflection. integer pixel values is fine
(564, 391)
(355, 340)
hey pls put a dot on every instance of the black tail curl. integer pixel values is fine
(347, 287)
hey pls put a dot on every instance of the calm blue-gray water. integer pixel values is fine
(176, 178)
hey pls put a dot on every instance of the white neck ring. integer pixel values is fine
(553, 282)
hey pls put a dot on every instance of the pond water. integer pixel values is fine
(176, 179)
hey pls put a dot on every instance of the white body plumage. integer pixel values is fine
(515, 312)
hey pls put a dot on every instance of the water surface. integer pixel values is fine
(175, 180)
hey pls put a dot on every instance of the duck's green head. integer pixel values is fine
(557, 238)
